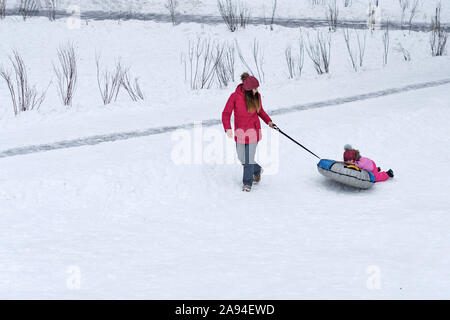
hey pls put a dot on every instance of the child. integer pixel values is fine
(353, 156)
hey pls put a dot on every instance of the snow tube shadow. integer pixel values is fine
(344, 173)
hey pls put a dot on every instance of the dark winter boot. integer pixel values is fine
(257, 179)
(246, 188)
(390, 173)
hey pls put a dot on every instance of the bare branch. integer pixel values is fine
(66, 73)
(438, 36)
(6, 75)
(351, 54)
(109, 83)
(28, 8)
(204, 57)
(332, 15)
(274, 9)
(413, 13)
(319, 51)
(2, 9)
(50, 6)
(241, 57)
(229, 12)
(133, 88)
(172, 5)
(23, 96)
(386, 44)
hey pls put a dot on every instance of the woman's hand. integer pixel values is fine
(230, 133)
(270, 124)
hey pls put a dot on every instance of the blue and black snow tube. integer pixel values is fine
(347, 174)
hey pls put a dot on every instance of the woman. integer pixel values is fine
(353, 156)
(245, 102)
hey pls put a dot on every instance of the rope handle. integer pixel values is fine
(275, 127)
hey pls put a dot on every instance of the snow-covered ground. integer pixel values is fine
(154, 53)
(130, 219)
(357, 10)
(132, 224)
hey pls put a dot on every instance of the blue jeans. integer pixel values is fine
(246, 154)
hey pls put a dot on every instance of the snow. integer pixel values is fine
(139, 226)
(153, 52)
(262, 8)
(128, 220)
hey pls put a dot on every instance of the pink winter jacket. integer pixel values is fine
(247, 128)
(369, 165)
(366, 164)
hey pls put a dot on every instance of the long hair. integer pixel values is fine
(252, 101)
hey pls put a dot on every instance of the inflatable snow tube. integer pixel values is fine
(347, 174)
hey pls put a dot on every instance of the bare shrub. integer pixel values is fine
(332, 15)
(230, 58)
(317, 2)
(207, 62)
(172, 5)
(244, 15)
(66, 73)
(28, 8)
(221, 71)
(405, 53)
(242, 58)
(233, 14)
(356, 55)
(50, 6)
(6, 75)
(301, 55)
(361, 47)
(290, 62)
(438, 36)
(109, 83)
(24, 97)
(264, 16)
(295, 64)
(374, 15)
(257, 57)
(229, 12)
(386, 44)
(132, 87)
(404, 4)
(274, 9)
(319, 51)
(2, 9)
(413, 13)
(351, 54)
(412, 5)
(225, 67)
(348, 3)
(203, 59)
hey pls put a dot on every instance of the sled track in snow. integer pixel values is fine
(212, 20)
(94, 140)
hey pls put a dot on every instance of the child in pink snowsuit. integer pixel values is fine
(353, 156)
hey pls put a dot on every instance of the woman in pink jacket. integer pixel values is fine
(353, 156)
(246, 104)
